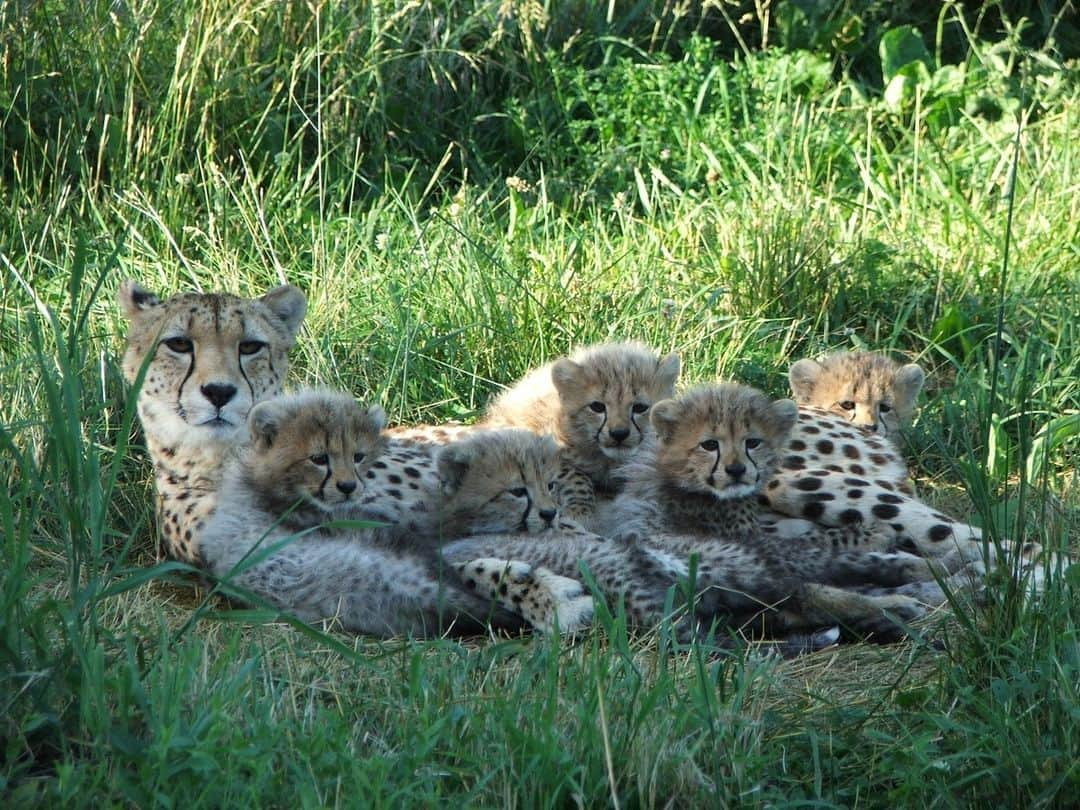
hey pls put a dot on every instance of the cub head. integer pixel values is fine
(499, 481)
(721, 440)
(212, 357)
(864, 388)
(606, 392)
(313, 446)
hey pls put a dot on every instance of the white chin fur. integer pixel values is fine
(735, 491)
(618, 452)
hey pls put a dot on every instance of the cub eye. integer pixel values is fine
(753, 443)
(551, 486)
(357, 458)
(640, 407)
(712, 445)
(180, 345)
(597, 407)
(320, 459)
(847, 405)
(250, 346)
(884, 407)
(518, 492)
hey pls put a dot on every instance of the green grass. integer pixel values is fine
(744, 207)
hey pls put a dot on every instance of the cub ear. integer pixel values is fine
(906, 386)
(376, 417)
(264, 422)
(567, 376)
(452, 463)
(289, 304)
(667, 374)
(783, 413)
(664, 417)
(803, 376)
(134, 298)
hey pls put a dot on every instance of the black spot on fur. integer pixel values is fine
(821, 496)
(813, 510)
(856, 482)
(394, 479)
(811, 429)
(886, 497)
(850, 516)
(380, 465)
(412, 472)
(825, 446)
(885, 511)
(808, 484)
(794, 463)
(858, 469)
(939, 532)
(884, 485)
(850, 450)
(879, 459)
(797, 444)
(854, 494)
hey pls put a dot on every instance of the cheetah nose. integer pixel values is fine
(735, 470)
(346, 487)
(619, 434)
(219, 394)
(548, 515)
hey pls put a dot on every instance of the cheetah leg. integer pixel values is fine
(575, 494)
(878, 616)
(540, 596)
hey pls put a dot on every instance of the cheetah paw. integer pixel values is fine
(570, 607)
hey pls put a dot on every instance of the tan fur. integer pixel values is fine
(208, 359)
(596, 403)
(676, 507)
(309, 452)
(863, 388)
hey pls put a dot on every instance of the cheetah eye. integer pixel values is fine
(597, 407)
(640, 407)
(712, 445)
(884, 407)
(180, 345)
(847, 405)
(551, 486)
(320, 459)
(251, 346)
(752, 444)
(518, 492)
(357, 458)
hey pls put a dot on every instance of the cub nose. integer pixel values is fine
(548, 515)
(346, 487)
(735, 470)
(619, 434)
(219, 394)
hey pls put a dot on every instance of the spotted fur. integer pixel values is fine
(206, 360)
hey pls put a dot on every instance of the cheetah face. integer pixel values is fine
(866, 389)
(606, 396)
(209, 358)
(720, 440)
(499, 481)
(314, 446)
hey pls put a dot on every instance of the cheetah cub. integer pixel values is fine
(839, 467)
(308, 456)
(692, 491)
(596, 403)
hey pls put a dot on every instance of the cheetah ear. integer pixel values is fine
(452, 463)
(376, 417)
(667, 374)
(803, 375)
(907, 384)
(264, 421)
(664, 417)
(288, 304)
(567, 376)
(134, 298)
(783, 413)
